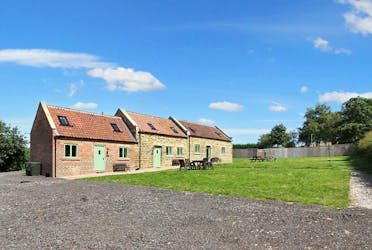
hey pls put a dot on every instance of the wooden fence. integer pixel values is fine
(334, 150)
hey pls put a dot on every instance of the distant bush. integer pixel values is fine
(249, 145)
(364, 146)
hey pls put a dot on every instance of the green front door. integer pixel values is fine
(208, 155)
(99, 158)
(157, 156)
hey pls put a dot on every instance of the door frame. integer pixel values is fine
(153, 156)
(208, 152)
(95, 162)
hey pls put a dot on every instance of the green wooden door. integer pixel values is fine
(99, 158)
(208, 151)
(157, 156)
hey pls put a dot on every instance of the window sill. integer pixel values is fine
(196, 153)
(123, 159)
(70, 159)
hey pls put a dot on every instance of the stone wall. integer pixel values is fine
(84, 163)
(149, 141)
(215, 145)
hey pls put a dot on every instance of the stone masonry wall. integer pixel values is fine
(215, 145)
(149, 141)
(84, 163)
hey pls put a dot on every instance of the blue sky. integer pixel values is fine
(244, 66)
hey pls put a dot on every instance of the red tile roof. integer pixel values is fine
(203, 131)
(162, 126)
(85, 125)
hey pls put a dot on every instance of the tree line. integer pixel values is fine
(321, 125)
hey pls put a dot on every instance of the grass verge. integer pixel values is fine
(315, 180)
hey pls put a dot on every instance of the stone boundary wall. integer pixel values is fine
(334, 150)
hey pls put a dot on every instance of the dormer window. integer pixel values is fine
(63, 121)
(218, 133)
(115, 127)
(151, 126)
(174, 130)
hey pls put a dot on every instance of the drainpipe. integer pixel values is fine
(139, 151)
(55, 156)
(189, 147)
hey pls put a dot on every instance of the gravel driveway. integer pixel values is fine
(39, 212)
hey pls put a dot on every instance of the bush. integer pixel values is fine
(12, 148)
(364, 146)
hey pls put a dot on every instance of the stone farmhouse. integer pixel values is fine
(69, 142)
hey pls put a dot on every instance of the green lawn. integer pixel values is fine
(314, 180)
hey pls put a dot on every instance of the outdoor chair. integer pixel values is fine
(189, 164)
(186, 164)
(207, 164)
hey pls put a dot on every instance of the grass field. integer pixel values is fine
(314, 180)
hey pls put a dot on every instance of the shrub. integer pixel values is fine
(364, 146)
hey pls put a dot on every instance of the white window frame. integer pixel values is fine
(125, 151)
(179, 151)
(168, 150)
(197, 149)
(70, 145)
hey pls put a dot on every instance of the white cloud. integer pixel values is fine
(341, 97)
(277, 107)
(73, 89)
(324, 46)
(118, 78)
(51, 58)
(304, 89)
(342, 51)
(246, 131)
(84, 105)
(206, 121)
(359, 18)
(127, 79)
(226, 106)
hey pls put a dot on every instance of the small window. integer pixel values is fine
(63, 121)
(218, 133)
(197, 148)
(192, 130)
(71, 151)
(174, 130)
(115, 127)
(223, 150)
(168, 150)
(151, 126)
(179, 151)
(123, 152)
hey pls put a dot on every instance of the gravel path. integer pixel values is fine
(38, 212)
(361, 189)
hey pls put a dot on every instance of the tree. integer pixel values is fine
(321, 125)
(265, 141)
(292, 135)
(279, 137)
(356, 119)
(12, 148)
